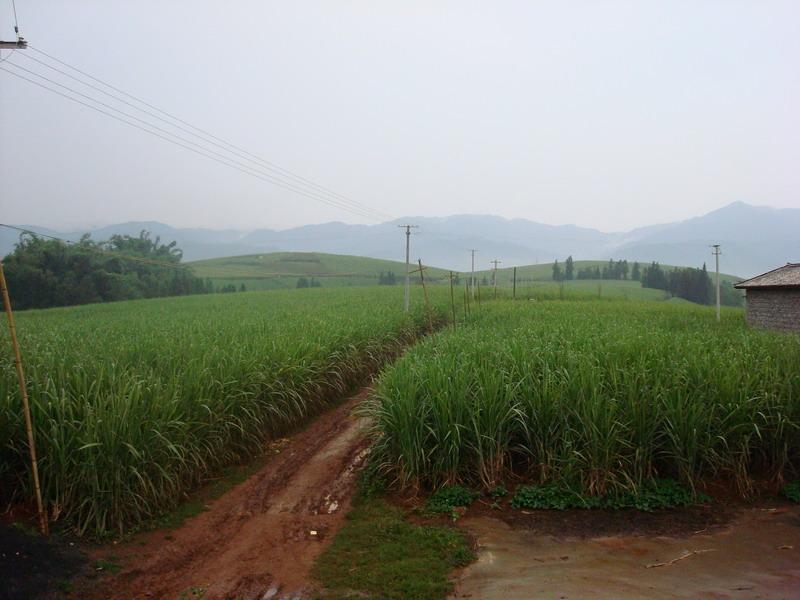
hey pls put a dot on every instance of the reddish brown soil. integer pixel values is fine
(260, 539)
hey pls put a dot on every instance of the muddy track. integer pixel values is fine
(260, 539)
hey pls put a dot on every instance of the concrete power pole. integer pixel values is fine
(716, 252)
(407, 292)
(472, 277)
(495, 262)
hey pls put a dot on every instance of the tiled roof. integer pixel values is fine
(785, 276)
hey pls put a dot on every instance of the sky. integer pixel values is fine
(603, 114)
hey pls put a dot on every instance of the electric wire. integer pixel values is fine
(204, 152)
(16, 22)
(263, 164)
(253, 157)
(269, 176)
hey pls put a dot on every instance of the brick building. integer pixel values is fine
(773, 299)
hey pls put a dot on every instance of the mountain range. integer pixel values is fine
(754, 239)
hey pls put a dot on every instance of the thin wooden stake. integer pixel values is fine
(425, 291)
(26, 409)
(452, 300)
(466, 301)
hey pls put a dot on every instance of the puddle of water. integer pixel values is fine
(757, 556)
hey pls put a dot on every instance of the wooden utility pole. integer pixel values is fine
(26, 409)
(20, 44)
(407, 291)
(514, 288)
(495, 262)
(425, 292)
(716, 252)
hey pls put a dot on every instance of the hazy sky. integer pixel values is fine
(604, 114)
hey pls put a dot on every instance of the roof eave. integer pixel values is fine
(767, 287)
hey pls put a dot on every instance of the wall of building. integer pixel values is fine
(774, 309)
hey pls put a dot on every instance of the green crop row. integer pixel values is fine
(136, 402)
(603, 397)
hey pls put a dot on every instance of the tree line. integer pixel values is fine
(689, 283)
(42, 273)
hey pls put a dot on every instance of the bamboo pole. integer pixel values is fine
(26, 409)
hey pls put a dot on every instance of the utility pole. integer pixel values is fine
(514, 285)
(716, 252)
(20, 44)
(407, 293)
(472, 278)
(495, 262)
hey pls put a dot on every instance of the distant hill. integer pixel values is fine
(754, 239)
(284, 269)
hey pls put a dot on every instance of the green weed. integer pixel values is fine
(792, 491)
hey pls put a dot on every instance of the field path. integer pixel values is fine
(260, 539)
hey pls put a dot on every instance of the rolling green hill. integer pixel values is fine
(283, 269)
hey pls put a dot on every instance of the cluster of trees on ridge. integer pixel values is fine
(687, 283)
(42, 273)
(303, 282)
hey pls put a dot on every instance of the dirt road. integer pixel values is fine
(260, 539)
(756, 555)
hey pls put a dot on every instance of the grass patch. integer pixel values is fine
(107, 566)
(378, 554)
(792, 491)
(450, 497)
(663, 493)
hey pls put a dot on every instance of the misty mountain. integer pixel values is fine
(754, 239)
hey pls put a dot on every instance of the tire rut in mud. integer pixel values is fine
(260, 539)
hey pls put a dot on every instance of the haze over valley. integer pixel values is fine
(754, 239)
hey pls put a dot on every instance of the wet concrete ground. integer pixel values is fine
(756, 556)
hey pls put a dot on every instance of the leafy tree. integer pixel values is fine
(569, 269)
(387, 278)
(43, 273)
(636, 273)
(302, 282)
(557, 275)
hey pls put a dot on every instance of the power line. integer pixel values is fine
(277, 171)
(204, 152)
(269, 176)
(215, 140)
